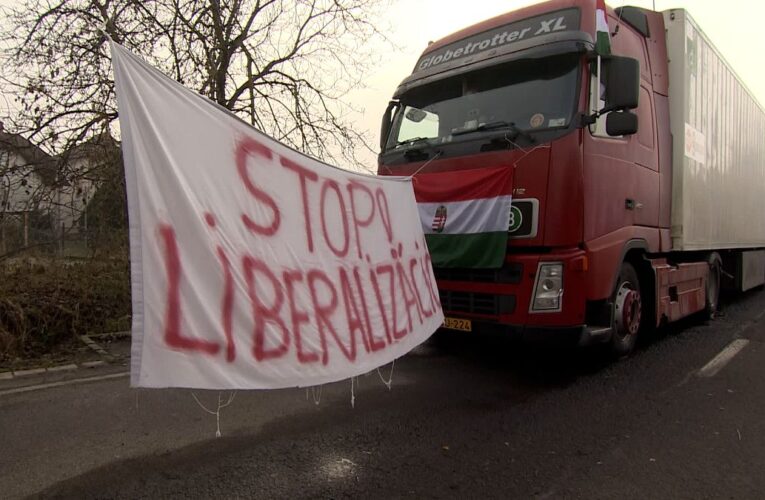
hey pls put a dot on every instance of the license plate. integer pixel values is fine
(463, 325)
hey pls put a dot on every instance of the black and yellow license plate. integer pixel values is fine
(463, 325)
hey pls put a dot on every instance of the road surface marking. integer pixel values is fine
(50, 385)
(723, 358)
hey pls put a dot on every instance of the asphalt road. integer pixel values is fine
(475, 418)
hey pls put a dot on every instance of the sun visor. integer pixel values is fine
(539, 47)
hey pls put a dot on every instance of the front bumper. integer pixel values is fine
(570, 336)
(502, 297)
(558, 336)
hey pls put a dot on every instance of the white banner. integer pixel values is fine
(254, 266)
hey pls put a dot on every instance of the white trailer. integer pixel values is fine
(718, 129)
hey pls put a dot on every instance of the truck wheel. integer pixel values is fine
(713, 286)
(627, 311)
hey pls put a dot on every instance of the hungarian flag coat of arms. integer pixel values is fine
(465, 215)
(439, 221)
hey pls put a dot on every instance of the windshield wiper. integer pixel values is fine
(498, 125)
(483, 126)
(414, 140)
(416, 153)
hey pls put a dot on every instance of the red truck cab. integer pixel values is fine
(592, 191)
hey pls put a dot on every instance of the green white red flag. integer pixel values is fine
(602, 35)
(465, 216)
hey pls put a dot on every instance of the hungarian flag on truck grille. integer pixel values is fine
(465, 215)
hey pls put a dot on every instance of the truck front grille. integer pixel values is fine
(509, 273)
(477, 303)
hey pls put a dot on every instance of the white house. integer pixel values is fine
(34, 182)
(25, 172)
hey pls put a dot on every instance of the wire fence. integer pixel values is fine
(37, 234)
(64, 259)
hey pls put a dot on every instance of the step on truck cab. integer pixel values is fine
(636, 173)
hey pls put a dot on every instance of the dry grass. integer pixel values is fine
(46, 304)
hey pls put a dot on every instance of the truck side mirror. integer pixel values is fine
(387, 122)
(622, 83)
(621, 123)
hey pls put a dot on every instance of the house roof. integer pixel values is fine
(43, 164)
(46, 166)
(94, 148)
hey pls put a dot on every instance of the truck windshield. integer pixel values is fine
(523, 97)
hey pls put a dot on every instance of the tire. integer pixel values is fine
(712, 293)
(627, 312)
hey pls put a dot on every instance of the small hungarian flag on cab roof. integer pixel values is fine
(465, 215)
(602, 35)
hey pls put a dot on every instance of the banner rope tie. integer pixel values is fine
(435, 157)
(390, 378)
(316, 394)
(525, 152)
(221, 405)
(353, 396)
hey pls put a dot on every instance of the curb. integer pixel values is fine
(49, 385)
(88, 341)
(40, 371)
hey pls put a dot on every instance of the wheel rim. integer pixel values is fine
(627, 310)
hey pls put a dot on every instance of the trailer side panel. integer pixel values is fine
(718, 129)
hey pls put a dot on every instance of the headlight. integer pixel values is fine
(548, 289)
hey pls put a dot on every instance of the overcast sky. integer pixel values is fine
(734, 26)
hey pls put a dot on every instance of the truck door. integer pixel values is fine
(621, 173)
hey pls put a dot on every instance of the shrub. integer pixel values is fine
(46, 305)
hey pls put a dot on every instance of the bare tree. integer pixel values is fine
(282, 65)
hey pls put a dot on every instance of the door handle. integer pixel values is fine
(631, 204)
